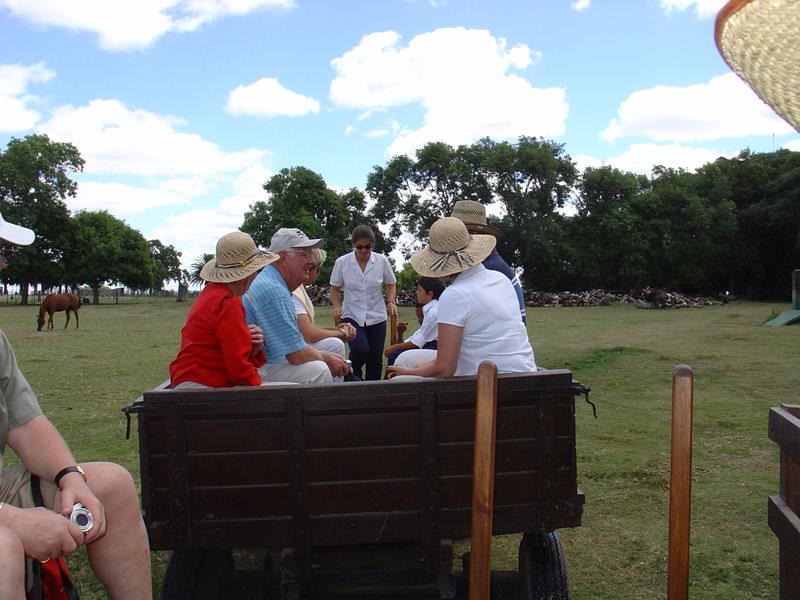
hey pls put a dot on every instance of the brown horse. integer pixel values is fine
(53, 303)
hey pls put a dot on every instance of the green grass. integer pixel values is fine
(626, 355)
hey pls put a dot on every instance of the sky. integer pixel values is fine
(183, 109)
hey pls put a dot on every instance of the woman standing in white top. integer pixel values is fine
(362, 276)
(478, 312)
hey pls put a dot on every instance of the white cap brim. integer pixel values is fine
(16, 234)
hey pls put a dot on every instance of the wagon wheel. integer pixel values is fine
(542, 568)
(196, 574)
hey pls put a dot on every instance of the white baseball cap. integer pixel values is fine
(16, 234)
(291, 237)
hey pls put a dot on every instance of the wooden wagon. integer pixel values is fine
(353, 490)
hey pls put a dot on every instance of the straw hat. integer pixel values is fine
(474, 216)
(451, 249)
(760, 41)
(237, 257)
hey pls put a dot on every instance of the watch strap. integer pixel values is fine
(66, 471)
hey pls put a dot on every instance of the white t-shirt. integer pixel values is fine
(484, 304)
(429, 330)
(363, 290)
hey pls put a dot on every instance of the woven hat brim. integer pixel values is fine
(210, 271)
(479, 248)
(760, 41)
(483, 228)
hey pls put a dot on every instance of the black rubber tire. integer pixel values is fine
(542, 568)
(195, 574)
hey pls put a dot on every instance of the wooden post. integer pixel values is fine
(796, 289)
(680, 484)
(480, 571)
(393, 329)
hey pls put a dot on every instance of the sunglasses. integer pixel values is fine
(363, 246)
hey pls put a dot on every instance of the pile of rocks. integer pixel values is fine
(644, 298)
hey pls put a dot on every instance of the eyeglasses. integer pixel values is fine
(305, 253)
(363, 246)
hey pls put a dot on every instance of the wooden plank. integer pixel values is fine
(680, 484)
(785, 523)
(784, 429)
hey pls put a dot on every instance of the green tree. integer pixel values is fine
(166, 264)
(531, 179)
(299, 197)
(34, 182)
(606, 232)
(411, 194)
(104, 249)
(195, 268)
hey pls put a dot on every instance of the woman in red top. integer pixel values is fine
(218, 348)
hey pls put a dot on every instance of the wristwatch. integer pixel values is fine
(66, 471)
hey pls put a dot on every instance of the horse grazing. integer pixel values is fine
(53, 303)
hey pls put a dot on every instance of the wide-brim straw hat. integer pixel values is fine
(237, 257)
(474, 216)
(452, 249)
(760, 41)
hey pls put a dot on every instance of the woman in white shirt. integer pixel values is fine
(362, 275)
(478, 313)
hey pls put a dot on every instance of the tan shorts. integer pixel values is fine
(15, 489)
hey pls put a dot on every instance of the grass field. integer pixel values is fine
(83, 378)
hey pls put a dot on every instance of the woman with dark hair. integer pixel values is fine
(362, 276)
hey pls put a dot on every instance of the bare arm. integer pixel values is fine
(391, 296)
(313, 333)
(448, 348)
(336, 302)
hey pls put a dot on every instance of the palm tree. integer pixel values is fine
(196, 267)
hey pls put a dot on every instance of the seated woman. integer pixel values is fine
(429, 289)
(330, 339)
(478, 312)
(218, 348)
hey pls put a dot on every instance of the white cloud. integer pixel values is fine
(459, 77)
(133, 24)
(196, 232)
(115, 139)
(581, 5)
(723, 107)
(121, 199)
(793, 145)
(704, 8)
(268, 98)
(248, 189)
(641, 158)
(16, 105)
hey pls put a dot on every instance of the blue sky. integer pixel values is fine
(182, 109)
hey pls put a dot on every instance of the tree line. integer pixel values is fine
(89, 247)
(733, 225)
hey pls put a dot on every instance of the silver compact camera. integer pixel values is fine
(82, 517)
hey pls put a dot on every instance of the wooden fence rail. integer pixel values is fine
(783, 513)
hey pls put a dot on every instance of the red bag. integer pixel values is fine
(51, 580)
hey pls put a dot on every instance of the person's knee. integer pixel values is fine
(12, 559)
(318, 372)
(109, 482)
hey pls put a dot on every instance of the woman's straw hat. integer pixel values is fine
(451, 249)
(760, 41)
(474, 216)
(237, 257)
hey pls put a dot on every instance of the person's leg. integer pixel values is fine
(359, 349)
(12, 566)
(376, 337)
(412, 358)
(315, 371)
(121, 558)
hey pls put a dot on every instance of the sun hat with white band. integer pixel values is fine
(760, 41)
(16, 234)
(237, 257)
(452, 249)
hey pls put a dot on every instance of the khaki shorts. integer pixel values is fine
(15, 489)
